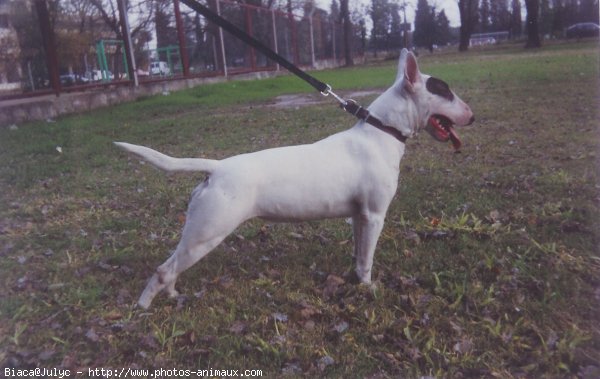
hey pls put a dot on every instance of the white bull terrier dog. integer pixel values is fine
(353, 173)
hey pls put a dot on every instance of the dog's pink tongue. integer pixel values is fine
(440, 133)
(444, 134)
(456, 142)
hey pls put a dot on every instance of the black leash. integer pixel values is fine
(242, 35)
(349, 106)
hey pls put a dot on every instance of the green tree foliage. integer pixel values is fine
(431, 28)
(424, 34)
(381, 18)
(484, 16)
(442, 29)
(499, 15)
(516, 23)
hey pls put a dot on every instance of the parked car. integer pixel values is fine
(96, 75)
(582, 30)
(68, 80)
(72, 79)
(159, 68)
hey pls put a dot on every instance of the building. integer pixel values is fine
(10, 73)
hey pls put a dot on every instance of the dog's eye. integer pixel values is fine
(440, 88)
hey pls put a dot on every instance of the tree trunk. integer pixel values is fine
(345, 14)
(213, 30)
(533, 34)
(468, 18)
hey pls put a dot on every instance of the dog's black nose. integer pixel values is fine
(472, 120)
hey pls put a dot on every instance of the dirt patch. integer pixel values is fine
(303, 100)
(296, 100)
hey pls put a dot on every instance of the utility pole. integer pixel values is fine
(132, 72)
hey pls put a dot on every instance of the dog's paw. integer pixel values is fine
(143, 304)
(173, 293)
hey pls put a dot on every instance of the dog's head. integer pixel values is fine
(431, 104)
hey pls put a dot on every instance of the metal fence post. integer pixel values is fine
(49, 45)
(249, 29)
(222, 40)
(185, 65)
(294, 39)
(333, 41)
(274, 31)
(129, 57)
(312, 36)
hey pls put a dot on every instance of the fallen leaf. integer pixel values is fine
(332, 284)
(105, 266)
(408, 281)
(92, 336)
(46, 354)
(463, 346)
(273, 274)
(309, 311)
(224, 281)
(324, 362)
(494, 216)
(552, 339)
(190, 337)
(113, 315)
(411, 235)
(438, 234)
(414, 353)
(238, 327)
(341, 327)
(181, 300)
(123, 297)
(291, 369)
(309, 325)
(149, 341)
(570, 226)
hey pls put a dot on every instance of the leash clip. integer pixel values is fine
(328, 92)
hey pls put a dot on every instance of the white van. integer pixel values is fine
(159, 68)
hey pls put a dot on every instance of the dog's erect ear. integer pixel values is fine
(401, 64)
(408, 71)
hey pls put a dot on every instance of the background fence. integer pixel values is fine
(56, 46)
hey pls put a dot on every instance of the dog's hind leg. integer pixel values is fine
(167, 273)
(212, 215)
(366, 228)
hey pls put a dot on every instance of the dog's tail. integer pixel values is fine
(168, 163)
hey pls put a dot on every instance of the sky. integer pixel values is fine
(449, 6)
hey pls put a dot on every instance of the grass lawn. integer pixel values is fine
(488, 264)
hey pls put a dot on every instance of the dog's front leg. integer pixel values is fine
(366, 229)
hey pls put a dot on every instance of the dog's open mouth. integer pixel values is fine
(441, 128)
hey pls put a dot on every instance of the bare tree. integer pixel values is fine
(345, 15)
(108, 11)
(533, 32)
(468, 19)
